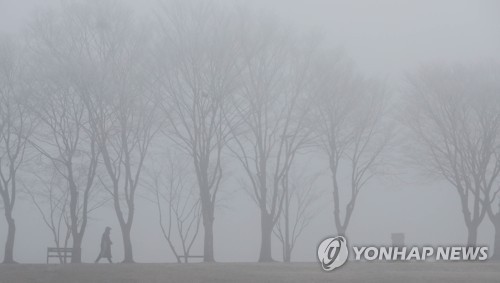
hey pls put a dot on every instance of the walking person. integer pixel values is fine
(105, 246)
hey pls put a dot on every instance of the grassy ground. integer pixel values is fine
(251, 273)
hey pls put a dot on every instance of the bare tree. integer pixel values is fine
(51, 198)
(98, 103)
(350, 131)
(298, 211)
(65, 138)
(15, 128)
(271, 124)
(178, 207)
(67, 141)
(126, 122)
(198, 71)
(52, 204)
(454, 114)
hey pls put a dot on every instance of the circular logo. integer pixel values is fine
(333, 253)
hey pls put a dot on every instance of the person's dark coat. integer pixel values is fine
(106, 244)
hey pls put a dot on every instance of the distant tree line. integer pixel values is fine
(98, 106)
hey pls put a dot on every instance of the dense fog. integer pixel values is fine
(247, 130)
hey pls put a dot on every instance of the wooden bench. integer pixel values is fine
(61, 253)
(189, 256)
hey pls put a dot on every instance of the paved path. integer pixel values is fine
(252, 273)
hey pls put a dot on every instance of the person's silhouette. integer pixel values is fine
(105, 246)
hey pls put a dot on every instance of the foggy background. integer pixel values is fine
(386, 39)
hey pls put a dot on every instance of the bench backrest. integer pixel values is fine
(59, 250)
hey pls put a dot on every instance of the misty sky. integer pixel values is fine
(386, 39)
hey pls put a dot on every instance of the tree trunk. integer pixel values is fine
(266, 233)
(73, 206)
(9, 244)
(341, 231)
(472, 235)
(287, 253)
(287, 247)
(207, 208)
(127, 245)
(208, 242)
(496, 250)
(76, 256)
